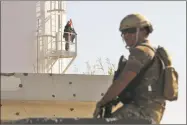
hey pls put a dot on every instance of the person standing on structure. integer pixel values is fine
(148, 98)
(69, 34)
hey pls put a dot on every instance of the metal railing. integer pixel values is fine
(58, 44)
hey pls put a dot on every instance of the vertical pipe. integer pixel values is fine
(56, 41)
(37, 45)
(58, 65)
(43, 33)
(58, 29)
(61, 66)
(43, 64)
(51, 17)
(59, 5)
(59, 41)
(54, 5)
(61, 33)
(61, 27)
(46, 57)
(55, 19)
(51, 69)
(51, 46)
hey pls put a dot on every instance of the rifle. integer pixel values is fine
(124, 97)
(106, 111)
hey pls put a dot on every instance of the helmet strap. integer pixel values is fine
(137, 33)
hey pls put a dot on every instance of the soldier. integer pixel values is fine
(135, 29)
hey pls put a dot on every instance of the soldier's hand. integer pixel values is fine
(97, 111)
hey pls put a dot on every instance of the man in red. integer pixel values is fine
(69, 34)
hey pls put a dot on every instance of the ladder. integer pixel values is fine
(49, 37)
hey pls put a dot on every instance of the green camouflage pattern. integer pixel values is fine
(131, 111)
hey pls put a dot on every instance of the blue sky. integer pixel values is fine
(97, 26)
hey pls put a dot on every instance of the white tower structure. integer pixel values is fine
(51, 54)
(33, 31)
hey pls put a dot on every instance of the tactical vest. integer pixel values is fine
(156, 82)
(160, 79)
(149, 91)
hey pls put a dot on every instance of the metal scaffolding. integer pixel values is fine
(51, 55)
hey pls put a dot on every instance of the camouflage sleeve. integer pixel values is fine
(138, 58)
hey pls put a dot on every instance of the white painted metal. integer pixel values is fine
(54, 87)
(51, 53)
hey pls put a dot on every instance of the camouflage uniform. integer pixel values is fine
(144, 105)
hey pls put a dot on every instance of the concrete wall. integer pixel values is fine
(55, 87)
(18, 26)
(13, 110)
(43, 95)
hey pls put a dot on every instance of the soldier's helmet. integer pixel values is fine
(135, 21)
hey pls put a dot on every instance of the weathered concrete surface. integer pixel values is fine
(13, 110)
(71, 87)
(23, 109)
(64, 96)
